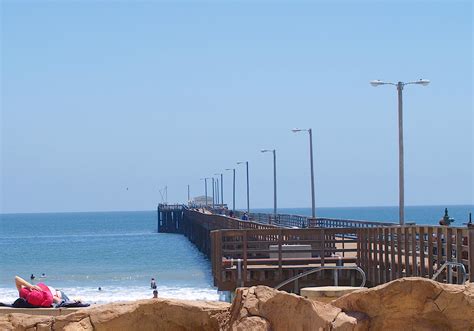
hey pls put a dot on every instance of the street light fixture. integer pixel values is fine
(274, 179)
(401, 178)
(248, 200)
(233, 188)
(313, 206)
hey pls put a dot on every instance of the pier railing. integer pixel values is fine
(387, 253)
(321, 222)
(298, 221)
(245, 257)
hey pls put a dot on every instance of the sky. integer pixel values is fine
(104, 103)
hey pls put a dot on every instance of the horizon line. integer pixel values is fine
(244, 208)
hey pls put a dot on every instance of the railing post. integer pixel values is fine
(280, 257)
(470, 249)
(245, 256)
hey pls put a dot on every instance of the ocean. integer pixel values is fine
(121, 251)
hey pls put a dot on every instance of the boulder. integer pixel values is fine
(404, 304)
(413, 304)
(151, 314)
(268, 309)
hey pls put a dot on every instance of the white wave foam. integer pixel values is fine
(129, 293)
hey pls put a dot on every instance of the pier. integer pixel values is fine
(269, 249)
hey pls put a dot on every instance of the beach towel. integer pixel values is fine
(72, 304)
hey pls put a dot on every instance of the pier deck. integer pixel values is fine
(269, 249)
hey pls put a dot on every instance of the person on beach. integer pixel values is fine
(155, 294)
(153, 284)
(40, 294)
(32, 277)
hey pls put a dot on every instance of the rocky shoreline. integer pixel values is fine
(403, 304)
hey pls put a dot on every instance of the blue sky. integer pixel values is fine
(100, 96)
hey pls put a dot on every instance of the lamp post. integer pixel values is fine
(205, 188)
(248, 200)
(213, 188)
(233, 188)
(222, 187)
(401, 176)
(217, 190)
(313, 206)
(274, 179)
(189, 198)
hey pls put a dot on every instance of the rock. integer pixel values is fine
(414, 304)
(284, 311)
(404, 304)
(152, 314)
(254, 323)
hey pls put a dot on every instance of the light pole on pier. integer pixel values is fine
(213, 189)
(222, 187)
(313, 206)
(233, 188)
(216, 190)
(205, 188)
(401, 177)
(189, 197)
(248, 199)
(274, 178)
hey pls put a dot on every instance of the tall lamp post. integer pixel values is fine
(222, 187)
(213, 190)
(274, 178)
(205, 188)
(401, 176)
(313, 206)
(248, 200)
(233, 188)
(189, 197)
(217, 190)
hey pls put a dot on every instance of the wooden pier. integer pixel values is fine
(270, 249)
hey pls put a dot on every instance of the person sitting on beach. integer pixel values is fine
(155, 294)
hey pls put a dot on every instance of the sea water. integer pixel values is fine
(117, 251)
(121, 251)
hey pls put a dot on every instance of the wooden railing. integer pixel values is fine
(217, 222)
(298, 221)
(344, 223)
(387, 253)
(273, 250)
(384, 252)
(163, 206)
